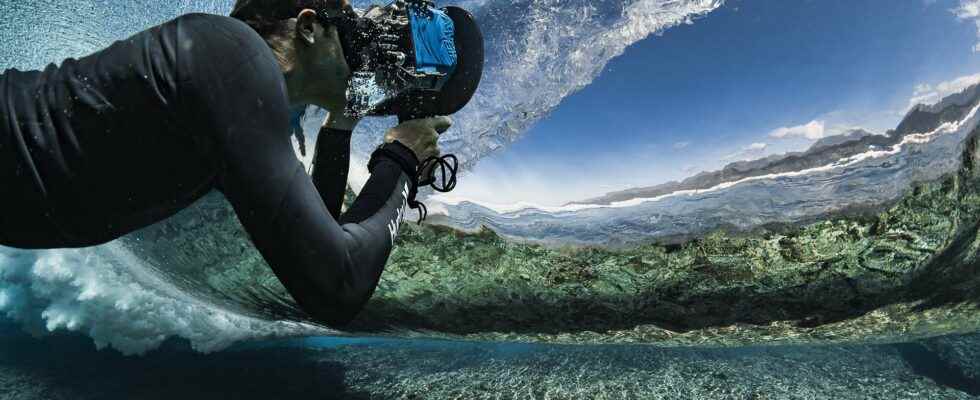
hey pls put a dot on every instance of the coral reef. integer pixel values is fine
(909, 271)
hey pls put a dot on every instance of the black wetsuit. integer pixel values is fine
(113, 142)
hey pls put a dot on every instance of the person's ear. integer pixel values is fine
(306, 26)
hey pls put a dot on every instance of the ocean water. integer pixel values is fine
(188, 309)
(65, 366)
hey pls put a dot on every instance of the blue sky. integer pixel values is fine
(723, 88)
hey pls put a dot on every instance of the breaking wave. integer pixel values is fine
(118, 300)
(556, 47)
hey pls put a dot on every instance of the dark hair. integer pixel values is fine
(267, 16)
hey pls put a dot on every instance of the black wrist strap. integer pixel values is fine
(400, 154)
(446, 166)
(405, 158)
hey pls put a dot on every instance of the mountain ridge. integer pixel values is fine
(921, 118)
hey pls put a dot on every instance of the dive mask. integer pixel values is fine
(410, 59)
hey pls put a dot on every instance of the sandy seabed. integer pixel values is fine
(66, 366)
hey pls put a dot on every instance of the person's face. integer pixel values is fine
(320, 56)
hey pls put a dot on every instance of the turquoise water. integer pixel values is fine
(66, 366)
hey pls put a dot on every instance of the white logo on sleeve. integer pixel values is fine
(394, 224)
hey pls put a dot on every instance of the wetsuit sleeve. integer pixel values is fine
(331, 165)
(331, 270)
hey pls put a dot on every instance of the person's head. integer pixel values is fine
(308, 49)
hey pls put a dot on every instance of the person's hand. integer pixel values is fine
(420, 135)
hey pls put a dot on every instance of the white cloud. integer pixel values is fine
(813, 131)
(681, 145)
(929, 94)
(970, 10)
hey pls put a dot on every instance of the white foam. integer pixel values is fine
(109, 294)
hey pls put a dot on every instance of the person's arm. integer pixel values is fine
(236, 86)
(331, 270)
(331, 161)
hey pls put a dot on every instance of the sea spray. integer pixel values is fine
(538, 53)
(110, 295)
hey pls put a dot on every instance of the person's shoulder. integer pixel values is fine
(204, 19)
(216, 28)
(226, 66)
(220, 44)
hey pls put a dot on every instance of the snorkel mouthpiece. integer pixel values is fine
(412, 60)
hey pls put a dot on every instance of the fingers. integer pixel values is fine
(420, 135)
(441, 124)
(431, 150)
(428, 145)
(427, 173)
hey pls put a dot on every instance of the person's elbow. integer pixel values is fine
(343, 297)
(336, 319)
(340, 309)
